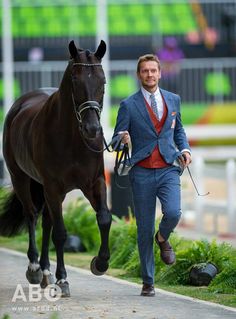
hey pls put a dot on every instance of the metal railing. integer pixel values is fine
(190, 82)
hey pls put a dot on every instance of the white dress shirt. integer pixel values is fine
(158, 99)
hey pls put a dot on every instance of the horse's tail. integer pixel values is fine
(12, 218)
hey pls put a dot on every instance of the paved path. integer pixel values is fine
(97, 298)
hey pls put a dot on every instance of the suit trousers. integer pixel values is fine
(147, 185)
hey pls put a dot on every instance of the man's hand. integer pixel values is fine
(185, 159)
(125, 137)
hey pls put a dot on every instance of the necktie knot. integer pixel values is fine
(154, 105)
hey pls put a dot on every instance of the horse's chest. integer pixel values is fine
(81, 175)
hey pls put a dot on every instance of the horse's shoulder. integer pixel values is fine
(48, 91)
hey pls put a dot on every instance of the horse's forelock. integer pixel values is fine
(87, 52)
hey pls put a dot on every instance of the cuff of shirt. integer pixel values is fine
(186, 150)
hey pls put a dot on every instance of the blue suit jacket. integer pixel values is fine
(133, 116)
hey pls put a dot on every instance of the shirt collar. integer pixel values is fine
(147, 94)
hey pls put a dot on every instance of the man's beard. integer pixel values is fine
(150, 86)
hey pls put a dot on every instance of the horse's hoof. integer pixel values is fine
(47, 280)
(65, 290)
(34, 277)
(98, 267)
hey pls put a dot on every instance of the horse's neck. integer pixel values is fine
(64, 99)
(66, 110)
(60, 110)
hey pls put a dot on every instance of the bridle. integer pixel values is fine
(87, 104)
(90, 104)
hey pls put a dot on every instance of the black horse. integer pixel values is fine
(52, 144)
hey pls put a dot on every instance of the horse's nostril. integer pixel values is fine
(91, 130)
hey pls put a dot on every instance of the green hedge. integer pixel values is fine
(80, 220)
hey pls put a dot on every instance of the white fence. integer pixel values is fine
(214, 171)
(190, 82)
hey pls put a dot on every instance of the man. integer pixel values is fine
(150, 120)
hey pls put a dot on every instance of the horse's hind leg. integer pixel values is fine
(44, 258)
(99, 264)
(21, 184)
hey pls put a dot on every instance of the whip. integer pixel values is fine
(191, 177)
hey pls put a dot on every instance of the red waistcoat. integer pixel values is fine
(155, 160)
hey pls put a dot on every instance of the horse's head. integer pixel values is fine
(88, 82)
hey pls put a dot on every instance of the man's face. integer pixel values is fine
(149, 75)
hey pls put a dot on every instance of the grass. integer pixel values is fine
(18, 243)
(203, 294)
(82, 260)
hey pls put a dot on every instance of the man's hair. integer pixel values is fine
(148, 57)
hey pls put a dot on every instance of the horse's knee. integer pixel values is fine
(104, 218)
(59, 237)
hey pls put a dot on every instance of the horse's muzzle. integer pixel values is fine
(91, 131)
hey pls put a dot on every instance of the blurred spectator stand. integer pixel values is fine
(170, 56)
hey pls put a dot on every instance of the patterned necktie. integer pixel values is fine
(154, 105)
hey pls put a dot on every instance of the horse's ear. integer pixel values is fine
(73, 49)
(101, 50)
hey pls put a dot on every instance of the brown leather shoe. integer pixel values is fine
(166, 251)
(148, 290)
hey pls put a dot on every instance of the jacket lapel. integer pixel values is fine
(142, 109)
(169, 104)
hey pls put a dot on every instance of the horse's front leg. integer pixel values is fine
(99, 264)
(44, 258)
(54, 203)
